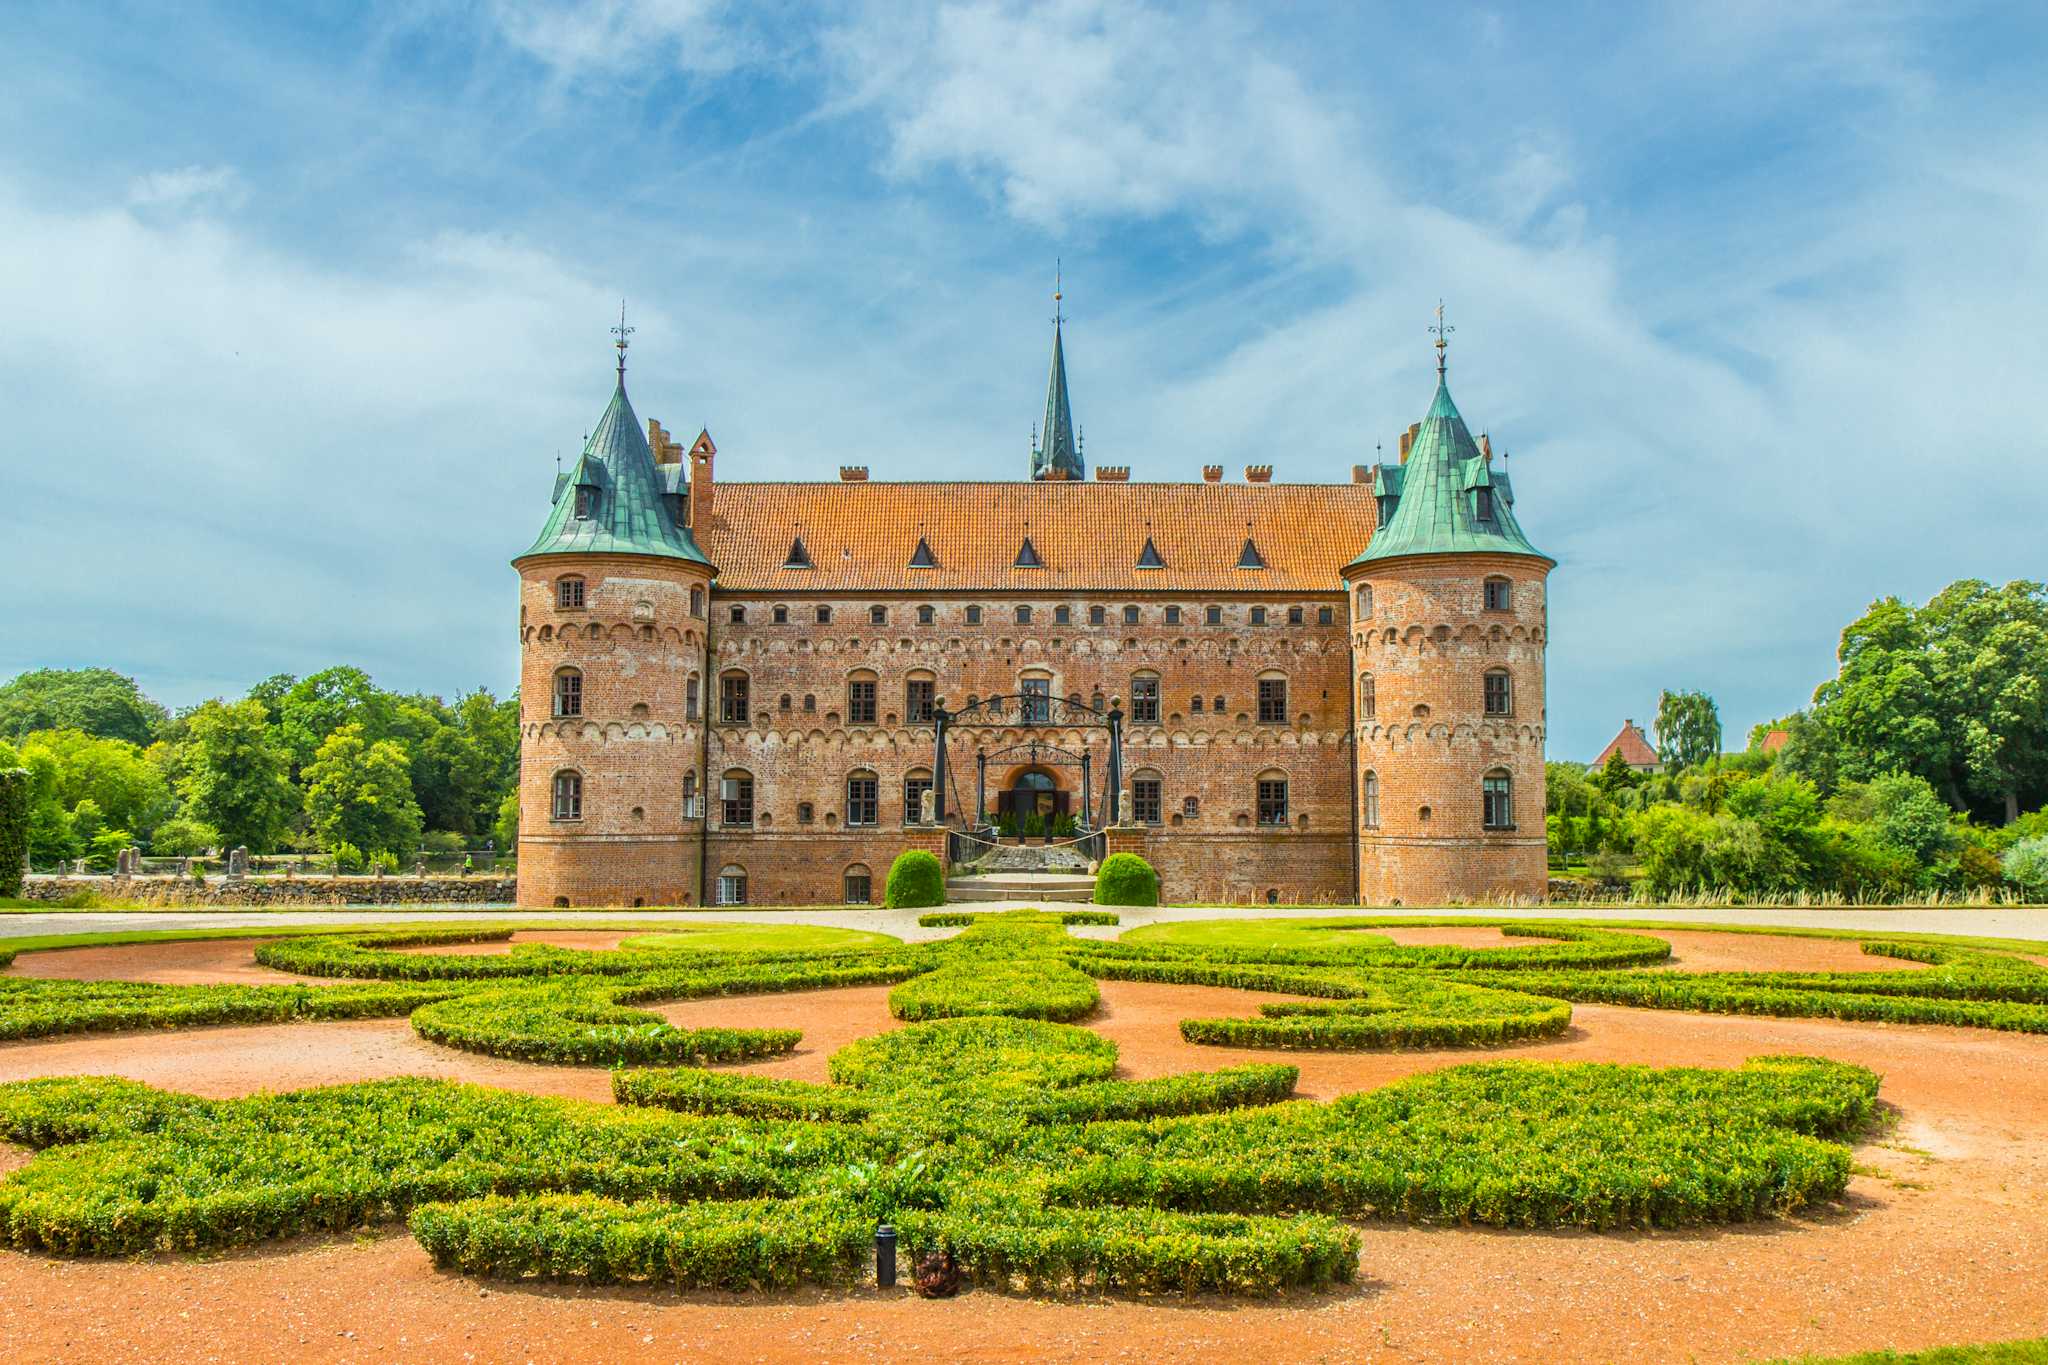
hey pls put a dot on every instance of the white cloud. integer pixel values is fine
(608, 36)
(217, 186)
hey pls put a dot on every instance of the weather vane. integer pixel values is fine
(1059, 290)
(1443, 334)
(622, 331)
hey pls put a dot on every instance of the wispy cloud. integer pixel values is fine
(218, 186)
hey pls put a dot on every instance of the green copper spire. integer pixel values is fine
(611, 502)
(1447, 498)
(1056, 456)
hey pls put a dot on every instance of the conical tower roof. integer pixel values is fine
(1057, 457)
(1442, 492)
(628, 515)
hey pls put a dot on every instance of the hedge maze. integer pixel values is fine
(991, 1126)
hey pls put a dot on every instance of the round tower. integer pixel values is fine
(1448, 629)
(613, 603)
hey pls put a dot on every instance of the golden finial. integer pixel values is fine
(622, 331)
(1443, 333)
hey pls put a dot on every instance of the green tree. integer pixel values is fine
(2026, 866)
(1614, 777)
(235, 775)
(51, 840)
(359, 792)
(1908, 816)
(180, 837)
(15, 784)
(506, 828)
(98, 701)
(113, 773)
(1688, 730)
(316, 706)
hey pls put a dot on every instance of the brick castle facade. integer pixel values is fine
(1326, 693)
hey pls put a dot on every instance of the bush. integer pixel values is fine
(1126, 879)
(2026, 866)
(183, 837)
(915, 880)
(755, 1097)
(1036, 987)
(348, 859)
(15, 790)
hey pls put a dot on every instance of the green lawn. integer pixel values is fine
(2034, 1352)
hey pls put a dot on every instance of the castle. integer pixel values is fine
(1293, 693)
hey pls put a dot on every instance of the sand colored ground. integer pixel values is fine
(1943, 1239)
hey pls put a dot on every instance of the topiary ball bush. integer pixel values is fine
(915, 879)
(1126, 879)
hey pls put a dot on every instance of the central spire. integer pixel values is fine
(622, 331)
(1057, 456)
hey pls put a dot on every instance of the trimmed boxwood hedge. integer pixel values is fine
(1126, 879)
(916, 879)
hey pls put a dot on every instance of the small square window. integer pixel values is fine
(925, 616)
(569, 593)
(878, 616)
(1130, 616)
(1258, 616)
(1062, 616)
(1023, 616)
(1326, 616)
(974, 616)
(824, 616)
(1190, 806)
(1499, 594)
(1173, 616)
(1212, 616)
(859, 888)
(739, 616)
(1294, 617)
(780, 616)
(1098, 616)
(1197, 705)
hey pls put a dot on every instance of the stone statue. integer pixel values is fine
(927, 806)
(238, 862)
(419, 869)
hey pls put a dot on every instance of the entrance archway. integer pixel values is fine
(1034, 791)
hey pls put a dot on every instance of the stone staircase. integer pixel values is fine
(1023, 872)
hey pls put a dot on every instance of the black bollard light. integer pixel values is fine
(885, 1256)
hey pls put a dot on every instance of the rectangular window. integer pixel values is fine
(974, 616)
(1497, 594)
(780, 616)
(732, 888)
(1485, 504)
(1368, 697)
(1196, 704)
(1145, 701)
(1272, 801)
(732, 699)
(569, 694)
(863, 804)
(1496, 694)
(1272, 701)
(805, 813)
(914, 789)
(1258, 616)
(1063, 616)
(925, 616)
(824, 616)
(1130, 616)
(568, 797)
(860, 702)
(1037, 707)
(1212, 616)
(739, 616)
(1173, 616)
(569, 593)
(1326, 616)
(1294, 617)
(1023, 616)
(878, 616)
(1190, 806)
(1498, 803)
(736, 801)
(1098, 616)
(1145, 800)
(1372, 800)
(859, 888)
(690, 699)
(917, 701)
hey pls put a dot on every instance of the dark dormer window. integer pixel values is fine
(1148, 558)
(1483, 503)
(799, 557)
(1249, 557)
(586, 502)
(921, 558)
(1027, 556)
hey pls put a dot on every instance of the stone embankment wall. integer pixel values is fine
(261, 891)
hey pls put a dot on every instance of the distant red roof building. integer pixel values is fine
(1775, 740)
(1634, 748)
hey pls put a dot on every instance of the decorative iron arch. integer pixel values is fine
(1026, 711)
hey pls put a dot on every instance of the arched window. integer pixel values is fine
(569, 692)
(568, 803)
(732, 698)
(1196, 705)
(916, 783)
(690, 794)
(1368, 697)
(859, 885)
(782, 703)
(732, 885)
(569, 593)
(1500, 595)
(860, 698)
(1147, 797)
(1035, 708)
(920, 694)
(1145, 699)
(1272, 699)
(863, 799)
(1500, 699)
(690, 690)
(1371, 795)
(1023, 615)
(925, 616)
(736, 799)
(1270, 793)
(1497, 798)
(1364, 601)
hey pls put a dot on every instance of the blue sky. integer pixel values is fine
(299, 303)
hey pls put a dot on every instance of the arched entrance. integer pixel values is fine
(1034, 791)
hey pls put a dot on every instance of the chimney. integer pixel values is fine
(1408, 439)
(853, 473)
(1212, 473)
(1258, 473)
(1485, 447)
(701, 453)
(1112, 473)
(1360, 474)
(666, 451)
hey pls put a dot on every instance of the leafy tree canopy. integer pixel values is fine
(359, 793)
(235, 775)
(1688, 730)
(98, 701)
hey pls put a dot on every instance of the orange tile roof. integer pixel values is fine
(1635, 749)
(1087, 535)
